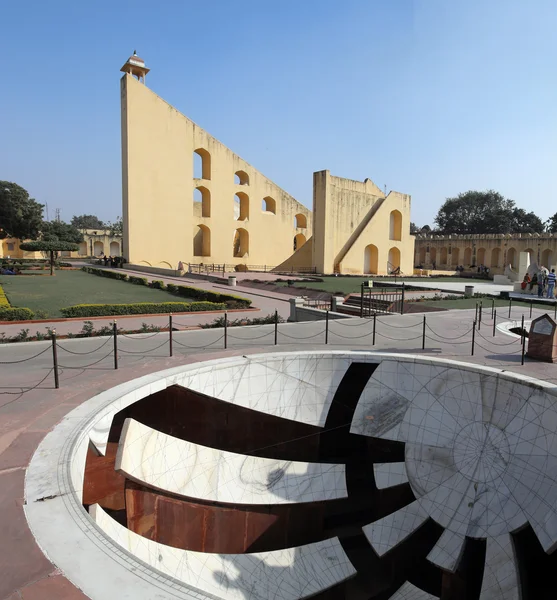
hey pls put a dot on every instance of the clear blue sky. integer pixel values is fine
(427, 97)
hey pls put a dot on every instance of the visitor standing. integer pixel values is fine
(551, 283)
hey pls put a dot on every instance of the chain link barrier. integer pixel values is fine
(471, 336)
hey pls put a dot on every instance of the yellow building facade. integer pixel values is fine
(495, 251)
(188, 198)
(95, 243)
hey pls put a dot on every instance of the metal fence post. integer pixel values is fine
(510, 302)
(494, 322)
(476, 313)
(55, 359)
(402, 300)
(530, 308)
(481, 307)
(327, 327)
(115, 336)
(276, 327)
(225, 330)
(423, 336)
(170, 333)
(492, 307)
(522, 330)
(374, 320)
(473, 337)
(523, 341)
(362, 301)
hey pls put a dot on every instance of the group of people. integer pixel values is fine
(544, 281)
(112, 261)
(10, 270)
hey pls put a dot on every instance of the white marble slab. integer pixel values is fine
(410, 592)
(180, 467)
(386, 533)
(447, 551)
(389, 474)
(500, 580)
(289, 574)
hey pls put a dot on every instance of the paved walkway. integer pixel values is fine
(458, 286)
(30, 406)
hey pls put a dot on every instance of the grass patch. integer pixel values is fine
(50, 294)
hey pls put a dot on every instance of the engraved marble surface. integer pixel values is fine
(180, 467)
(289, 574)
(480, 455)
(480, 458)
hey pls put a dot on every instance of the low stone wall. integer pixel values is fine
(300, 313)
(153, 270)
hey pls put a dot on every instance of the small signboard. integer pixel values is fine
(542, 340)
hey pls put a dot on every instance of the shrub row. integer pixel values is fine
(180, 290)
(3, 299)
(16, 314)
(139, 308)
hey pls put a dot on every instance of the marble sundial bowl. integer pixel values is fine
(465, 454)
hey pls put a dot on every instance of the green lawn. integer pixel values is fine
(67, 288)
(348, 285)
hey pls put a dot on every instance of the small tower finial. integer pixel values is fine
(135, 66)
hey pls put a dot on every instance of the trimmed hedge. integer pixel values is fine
(102, 273)
(209, 296)
(139, 308)
(3, 299)
(138, 280)
(180, 290)
(16, 314)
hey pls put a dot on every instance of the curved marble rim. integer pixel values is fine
(69, 537)
(507, 325)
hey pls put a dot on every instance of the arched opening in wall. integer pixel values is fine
(422, 255)
(241, 243)
(241, 206)
(443, 259)
(433, 256)
(547, 258)
(511, 258)
(371, 259)
(455, 257)
(467, 257)
(201, 241)
(82, 249)
(300, 221)
(495, 257)
(395, 225)
(241, 178)
(480, 256)
(201, 195)
(269, 205)
(394, 260)
(201, 164)
(114, 249)
(98, 248)
(299, 241)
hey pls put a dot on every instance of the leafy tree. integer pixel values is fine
(414, 229)
(523, 222)
(20, 215)
(52, 231)
(551, 224)
(87, 222)
(116, 228)
(485, 212)
(52, 247)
